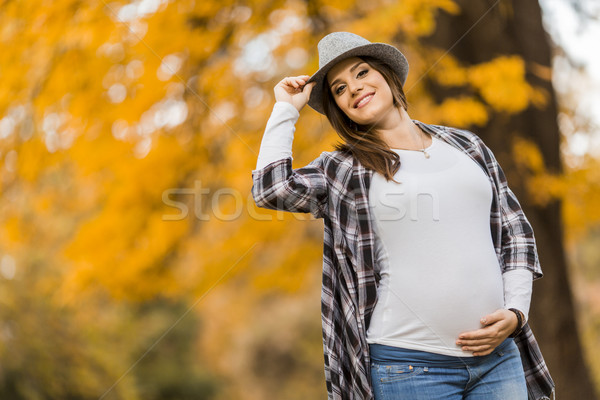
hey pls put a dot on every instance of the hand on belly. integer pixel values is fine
(497, 326)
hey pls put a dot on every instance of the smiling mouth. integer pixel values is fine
(364, 100)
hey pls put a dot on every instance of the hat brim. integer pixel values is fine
(383, 51)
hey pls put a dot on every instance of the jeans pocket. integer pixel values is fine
(397, 372)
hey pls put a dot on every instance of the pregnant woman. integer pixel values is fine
(428, 257)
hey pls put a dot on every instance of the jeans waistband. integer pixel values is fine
(382, 354)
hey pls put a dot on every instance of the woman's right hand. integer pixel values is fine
(294, 90)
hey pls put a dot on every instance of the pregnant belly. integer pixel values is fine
(435, 310)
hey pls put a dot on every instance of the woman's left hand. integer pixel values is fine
(497, 327)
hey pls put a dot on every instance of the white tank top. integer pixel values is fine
(439, 270)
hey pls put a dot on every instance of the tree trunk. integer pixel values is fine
(515, 27)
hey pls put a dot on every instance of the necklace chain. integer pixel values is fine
(425, 153)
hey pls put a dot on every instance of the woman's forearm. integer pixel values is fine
(517, 290)
(279, 134)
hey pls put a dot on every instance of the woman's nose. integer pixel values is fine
(355, 88)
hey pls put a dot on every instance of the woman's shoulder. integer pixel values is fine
(464, 134)
(458, 132)
(469, 139)
(458, 135)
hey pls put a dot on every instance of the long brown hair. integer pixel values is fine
(359, 140)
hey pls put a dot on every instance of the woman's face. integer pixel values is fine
(360, 91)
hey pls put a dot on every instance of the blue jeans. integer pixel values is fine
(498, 375)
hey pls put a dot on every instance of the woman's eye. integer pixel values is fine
(338, 90)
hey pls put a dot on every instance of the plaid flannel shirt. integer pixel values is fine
(335, 187)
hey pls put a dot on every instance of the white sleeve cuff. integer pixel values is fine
(517, 290)
(279, 134)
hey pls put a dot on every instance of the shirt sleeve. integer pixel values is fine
(279, 134)
(276, 185)
(517, 290)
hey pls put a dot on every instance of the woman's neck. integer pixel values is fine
(399, 132)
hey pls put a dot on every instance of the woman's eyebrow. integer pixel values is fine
(351, 69)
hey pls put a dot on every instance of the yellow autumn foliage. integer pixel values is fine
(412, 17)
(577, 189)
(128, 130)
(501, 82)
(449, 72)
(462, 111)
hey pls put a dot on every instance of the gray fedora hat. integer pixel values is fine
(338, 46)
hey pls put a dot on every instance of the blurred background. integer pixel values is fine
(133, 261)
